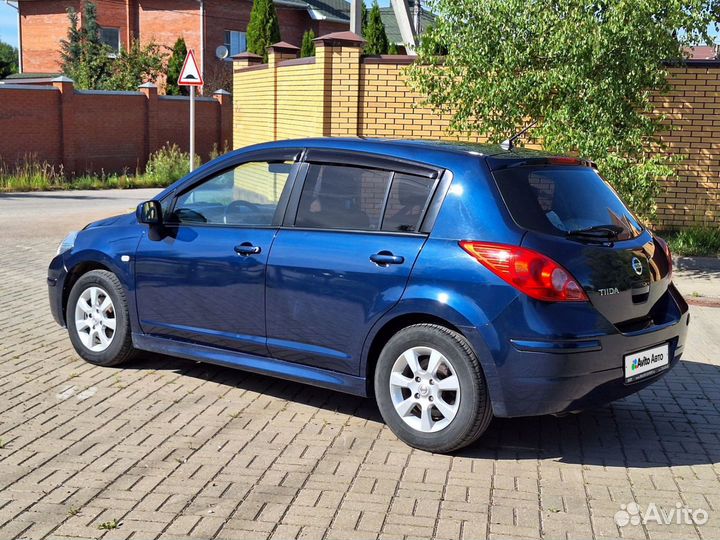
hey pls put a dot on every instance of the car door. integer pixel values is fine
(342, 259)
(201, 277)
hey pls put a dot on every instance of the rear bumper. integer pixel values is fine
(56, 285)
(537, 377)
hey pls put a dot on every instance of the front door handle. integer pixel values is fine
(385, 258)
(246, 248)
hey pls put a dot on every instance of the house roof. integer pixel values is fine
(321, 10)
(391, 25)
(704, 52)
(339, 10)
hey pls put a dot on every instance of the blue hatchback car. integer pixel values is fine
(452, 282)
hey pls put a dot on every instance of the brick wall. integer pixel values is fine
(341, 93)
(92, 131)
(45, 24)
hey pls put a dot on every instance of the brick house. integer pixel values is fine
(205, 25)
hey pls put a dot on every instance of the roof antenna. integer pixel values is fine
(509, 144)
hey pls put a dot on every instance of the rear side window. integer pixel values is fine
(339, 197)
(407, 202)
(358, 198)
(556, 200)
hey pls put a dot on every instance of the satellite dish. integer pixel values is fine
(222, 52)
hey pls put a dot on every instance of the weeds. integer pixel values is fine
(110, 525)
(695, 241)
(164, 167)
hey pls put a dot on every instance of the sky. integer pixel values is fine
(8, 22)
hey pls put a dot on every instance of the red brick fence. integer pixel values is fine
(93, 131)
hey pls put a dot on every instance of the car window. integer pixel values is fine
(556, 200)
(341, 197)
(408, 199)
(245, 195)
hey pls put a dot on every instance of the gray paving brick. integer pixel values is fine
(174, 449)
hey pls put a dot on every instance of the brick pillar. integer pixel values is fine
(246, 59)
(281, 51)
(339, 55)
(150, 91)
(224, 99)
(68, 135)
(248, 102)
(276, 54)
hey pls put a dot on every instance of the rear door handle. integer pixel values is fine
(385, 258)
(246, 248)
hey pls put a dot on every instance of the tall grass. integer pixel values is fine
(29, 174)
(164, 167)
(695, 242)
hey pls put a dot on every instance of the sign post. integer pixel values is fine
(190, 76)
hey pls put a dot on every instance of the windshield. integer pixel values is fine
(564, 200)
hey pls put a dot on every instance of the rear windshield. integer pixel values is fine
(557, 200)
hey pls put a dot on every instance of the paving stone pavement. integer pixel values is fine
(175, 449)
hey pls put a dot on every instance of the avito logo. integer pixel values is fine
(645, 360)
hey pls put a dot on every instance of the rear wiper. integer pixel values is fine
(598, 231)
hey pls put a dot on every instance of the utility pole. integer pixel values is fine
(356, 17)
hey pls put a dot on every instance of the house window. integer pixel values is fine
(111, 38)
(235, 41)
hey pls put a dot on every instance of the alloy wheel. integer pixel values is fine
(95, 319)
(425, 389)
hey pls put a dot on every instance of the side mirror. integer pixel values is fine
(149, 212)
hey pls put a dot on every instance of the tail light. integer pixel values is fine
(666, 249)
(530, 272)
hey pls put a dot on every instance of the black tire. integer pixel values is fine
(120, 349)
(474, 412)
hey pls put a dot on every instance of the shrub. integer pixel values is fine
(167, 165)
(174, 67)
(308, 46)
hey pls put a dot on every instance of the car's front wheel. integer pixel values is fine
(431, 390)
(97, 319)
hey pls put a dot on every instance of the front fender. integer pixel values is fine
(92, 246)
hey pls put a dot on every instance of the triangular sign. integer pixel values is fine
(190, 74)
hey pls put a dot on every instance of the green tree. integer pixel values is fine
(174, 67)
(263, 29)
(363, 18)
(377, 40)
(136, 65)
(587, 72)
(393, 49)
(308, 47)
(94, 65)
(8, 59)
(85, 59)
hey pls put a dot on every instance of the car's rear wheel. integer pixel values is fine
(97, 319)
(431, 390)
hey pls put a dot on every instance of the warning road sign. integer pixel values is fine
(190, 74)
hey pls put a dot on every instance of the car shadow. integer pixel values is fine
(706, 268)
(674, 422)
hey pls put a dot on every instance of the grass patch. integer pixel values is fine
(694, 242)
(110, 525)
(164, 167)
